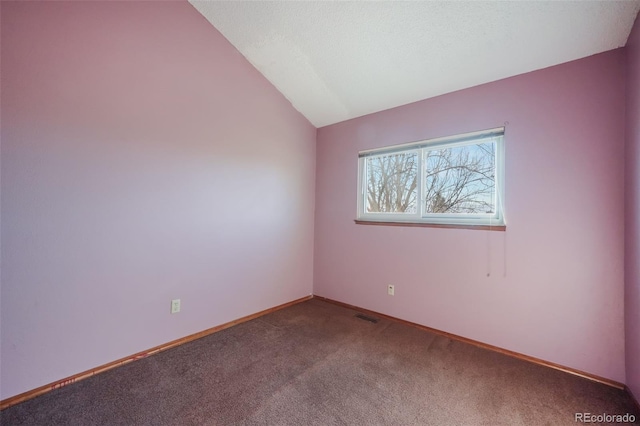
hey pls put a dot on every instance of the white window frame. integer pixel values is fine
(496, 219)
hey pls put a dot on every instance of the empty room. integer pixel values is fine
(319, 212)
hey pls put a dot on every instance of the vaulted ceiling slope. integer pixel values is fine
(338, 60)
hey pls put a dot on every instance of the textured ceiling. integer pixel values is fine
(338, 60)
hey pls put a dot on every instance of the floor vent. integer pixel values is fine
(367, 318)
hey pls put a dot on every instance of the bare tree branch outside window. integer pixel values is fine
(460, 179)
(456, 180)
(391, 183)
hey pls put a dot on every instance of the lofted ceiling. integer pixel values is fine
(336, 60)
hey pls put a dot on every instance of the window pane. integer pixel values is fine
(460, 179)
(391, 183)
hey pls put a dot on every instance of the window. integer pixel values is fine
(452, 181)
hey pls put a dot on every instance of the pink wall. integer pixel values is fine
(143, 159)
(556, 283)
(632, 231)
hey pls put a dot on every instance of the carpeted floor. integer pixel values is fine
(315, 363)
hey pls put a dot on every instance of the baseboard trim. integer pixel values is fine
(6, 403)
(507, 352)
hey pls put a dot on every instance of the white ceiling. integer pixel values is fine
(336, 60)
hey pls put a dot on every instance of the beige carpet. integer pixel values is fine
(317, 364)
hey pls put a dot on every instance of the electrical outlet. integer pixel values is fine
(175, 306)
(391, 290)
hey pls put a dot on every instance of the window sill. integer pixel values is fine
(434, 225)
